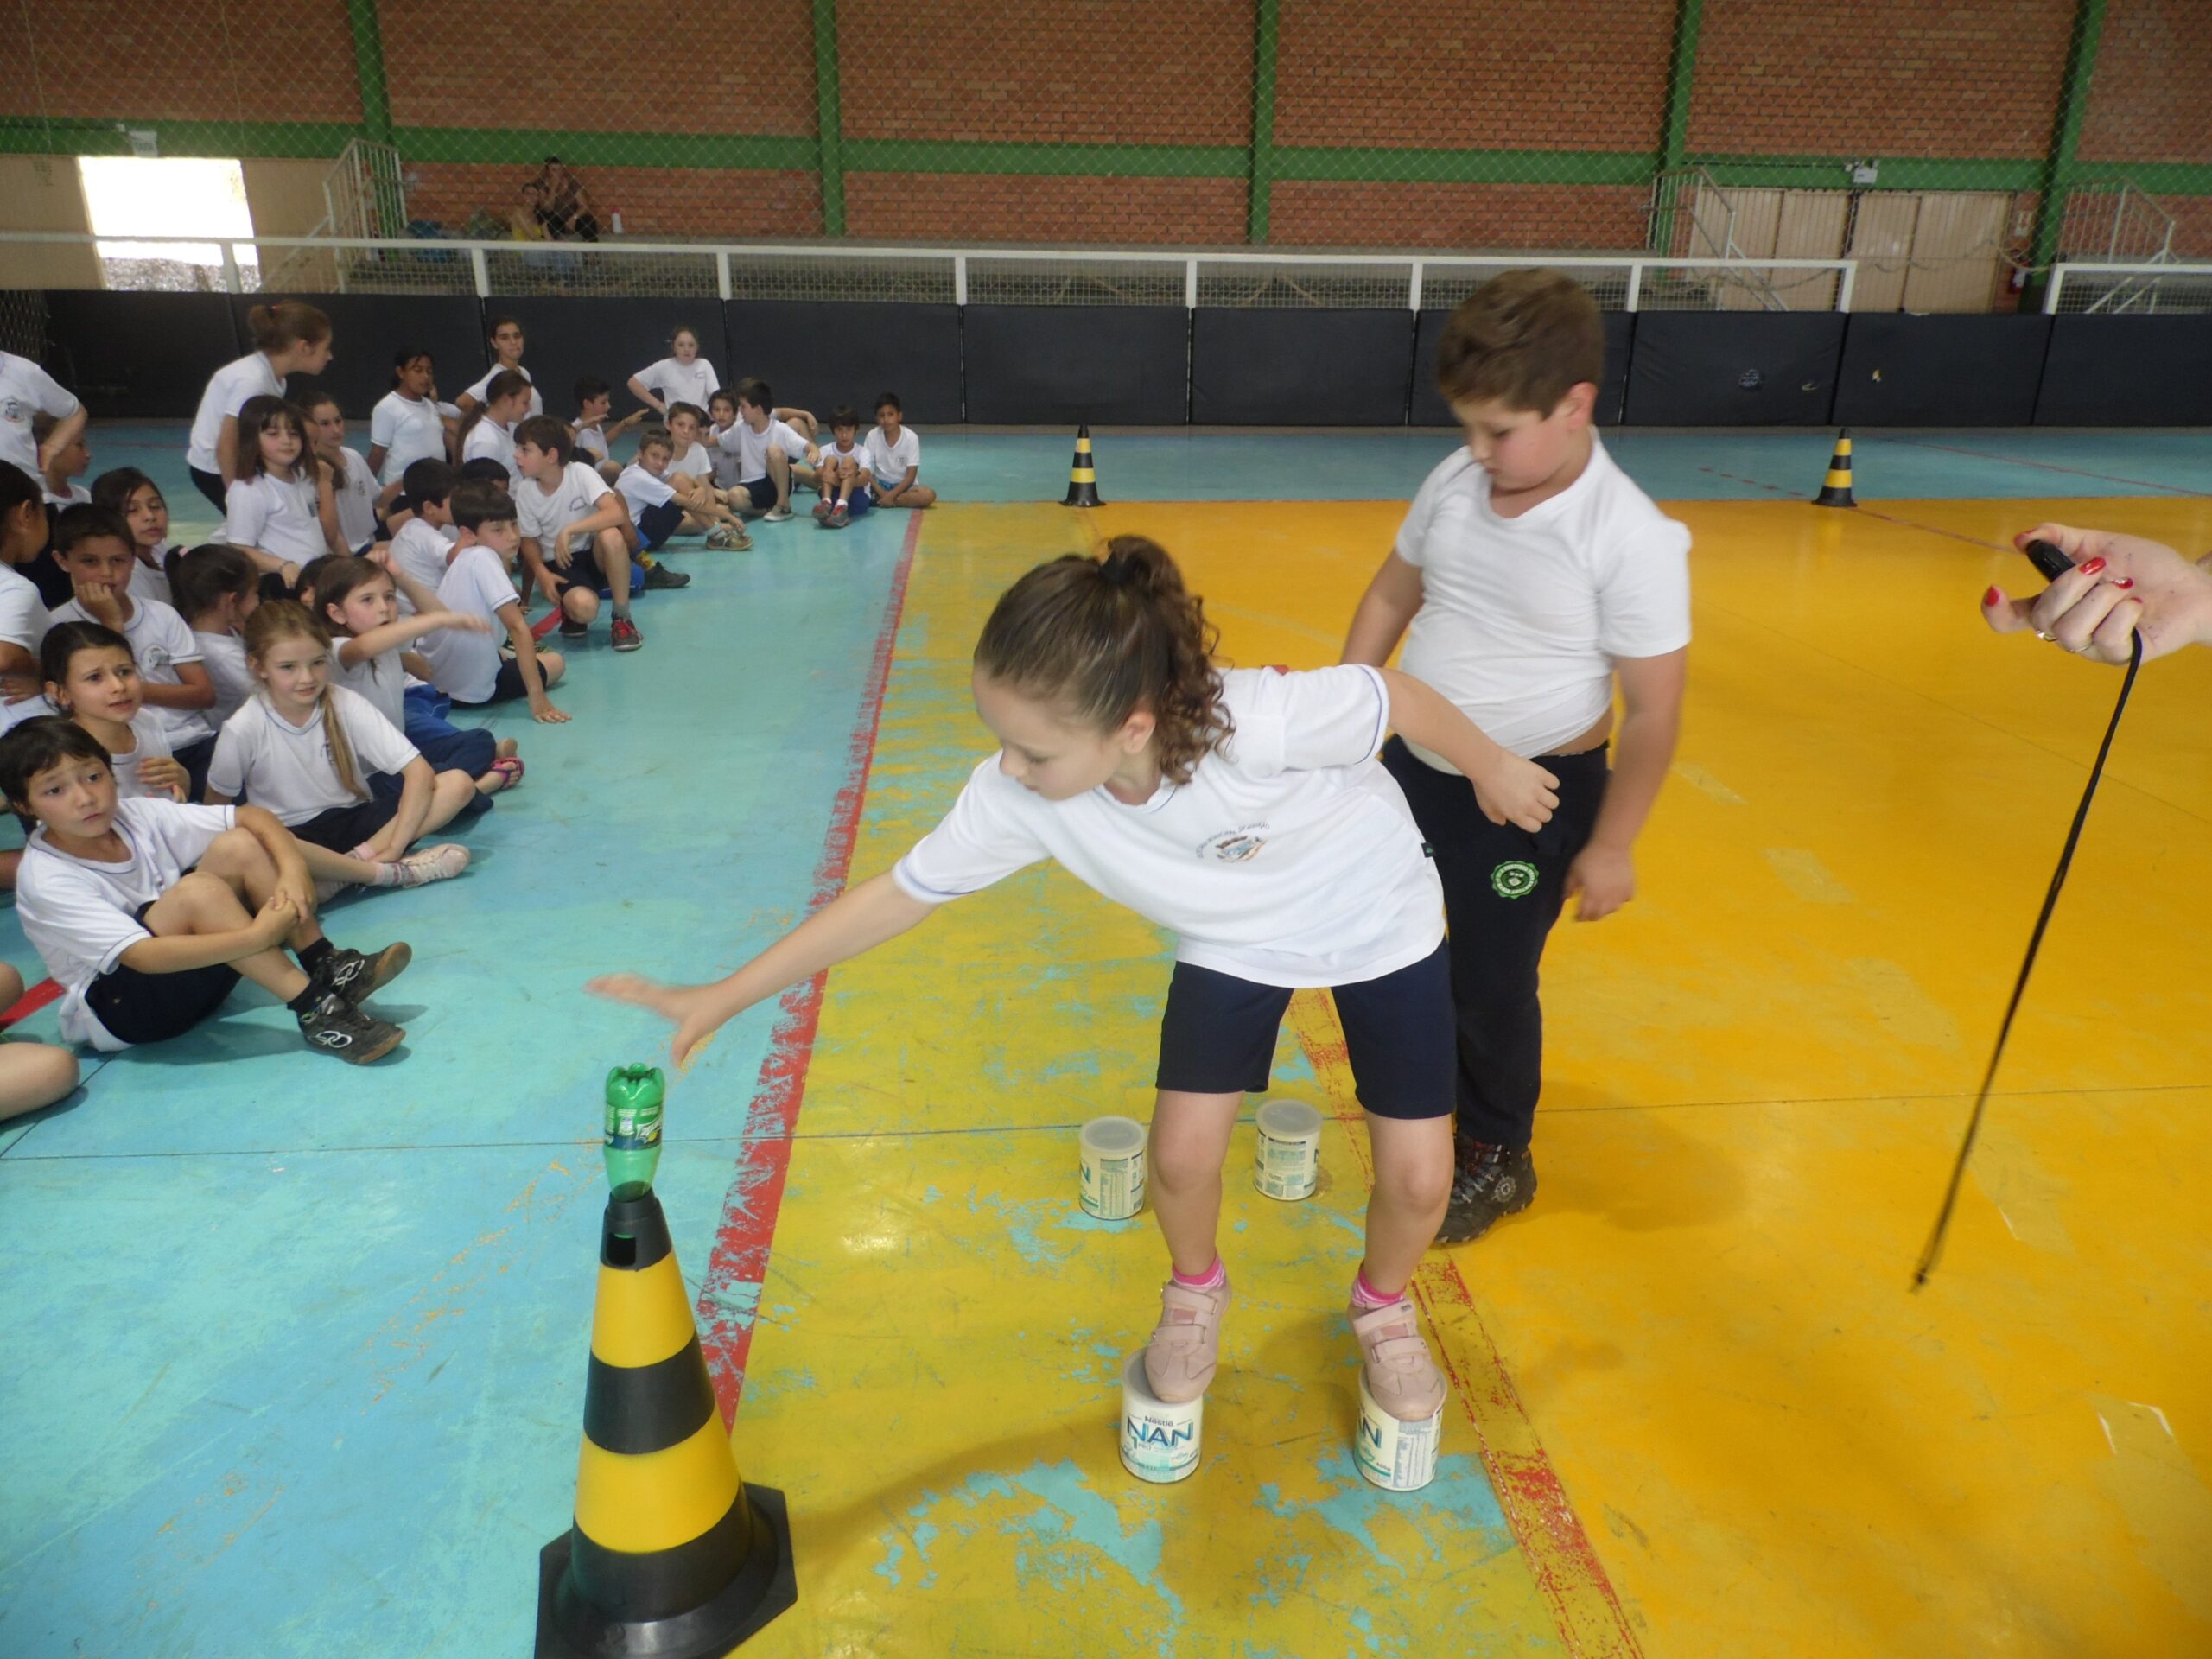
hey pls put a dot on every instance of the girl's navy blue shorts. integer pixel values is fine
(1218, 1036)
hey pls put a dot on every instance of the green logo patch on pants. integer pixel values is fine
(1515, 879)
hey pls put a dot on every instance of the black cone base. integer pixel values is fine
(1083, 495)
(1832, 498)
(765, 1585)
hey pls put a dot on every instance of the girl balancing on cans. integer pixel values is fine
(1246, 811)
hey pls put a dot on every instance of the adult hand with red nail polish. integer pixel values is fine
(2120, 586)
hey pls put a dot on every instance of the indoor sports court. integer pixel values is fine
(299, 1357)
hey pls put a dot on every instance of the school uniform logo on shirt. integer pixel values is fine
(1515, 879)
(1235, 846)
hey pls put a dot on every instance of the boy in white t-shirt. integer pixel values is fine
(424, 533)
(572, 522)
(594, 437)
(479, 581)
(28, 391)
(842, 473)
(148, 912)
(691, 473)
(1535, 576)
(894, 457)
(95, 549)
(765, 449)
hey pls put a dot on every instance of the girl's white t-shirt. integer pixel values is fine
(160, 640)
(251, 376)
(487, 439)
(152, 581)
(153, 745)
(407, 429)
(81, 915)
(357, 503)
(1522, 618)
(287, 770)
(27, 392)
(692, 383)
(380, 681)
(24, 620)
(889, 461)
(281, 515)
(477, 391)
(1290, 858)
(224, 654)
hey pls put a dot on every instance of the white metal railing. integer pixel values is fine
(2087, 288)
(1627, 282)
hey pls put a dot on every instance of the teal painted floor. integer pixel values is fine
(294, 1362)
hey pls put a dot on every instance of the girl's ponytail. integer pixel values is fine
(1105, 638)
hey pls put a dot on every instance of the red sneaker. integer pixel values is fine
(626, 637)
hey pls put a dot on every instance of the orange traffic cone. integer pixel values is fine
(1083, 475)
(1835, 489)
(672, 1555)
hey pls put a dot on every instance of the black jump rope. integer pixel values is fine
(2053, 564)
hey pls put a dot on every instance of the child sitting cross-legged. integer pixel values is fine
(93, 678)
(479, 582)
(842, 473)
(146, 912)
(305, 749)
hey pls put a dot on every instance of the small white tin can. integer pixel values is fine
(1159, 1442)
(1397, 1457)
(1113, 1167)
(1288, 1162)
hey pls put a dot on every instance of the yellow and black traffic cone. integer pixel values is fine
(1083, 476)
(672, 1555)
(1835, 489)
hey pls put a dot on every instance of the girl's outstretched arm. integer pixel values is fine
(858, 919)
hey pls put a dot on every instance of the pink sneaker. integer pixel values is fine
(1185, 1344)
(1401, 1377)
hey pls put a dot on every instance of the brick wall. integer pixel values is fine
(671, 203)
(998, 207)
(1568, 75)
(1502, 217)
(182, 60)
(1949, 77)
(2152, 97)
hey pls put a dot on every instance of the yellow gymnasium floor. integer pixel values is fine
(1697, 1412)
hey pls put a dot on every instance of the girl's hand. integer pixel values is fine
(546, 714)
(165, 772)
(1517, 791)
(696, 1011)
(2122, 585)
(1605, 877)
(298, 886)
(278, 917)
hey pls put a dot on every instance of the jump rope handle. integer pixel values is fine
(2049, 558)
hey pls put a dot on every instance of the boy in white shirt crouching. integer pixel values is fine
(1535, 574)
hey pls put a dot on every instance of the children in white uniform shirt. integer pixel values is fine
(172, 680)
(354, 492)
(217, 589)
(471, 668)
(275, 509)
(575, 538)
(765, 449)
(507, 341)
(683, 377)
(137, 500)
(1244, 810)
(92, 679)
(290, 338)
(406, 426)
(894, 456)
(488, 433)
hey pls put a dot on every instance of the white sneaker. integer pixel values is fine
(777, 515)
(432, 864)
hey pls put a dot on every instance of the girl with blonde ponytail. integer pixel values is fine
(1243, 809)
(354, 793)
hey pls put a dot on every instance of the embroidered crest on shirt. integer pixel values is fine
(1235, 846)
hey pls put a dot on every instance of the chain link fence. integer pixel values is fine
(1950, 156)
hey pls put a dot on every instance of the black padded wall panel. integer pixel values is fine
(2127, 371)
(816, 354)
(1429, 408)
(1733, 368)
(145, 356)
(1062, 365)
(1940, 371)
(1267, 367)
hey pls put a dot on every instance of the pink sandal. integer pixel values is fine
(508, 768)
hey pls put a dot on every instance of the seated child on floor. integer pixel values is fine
(894, 457)
(92, 679)
(594, 437)
(146, 912)
(692, 474)
(306, 749)
(479, 582)
(842, 473)
(216, 588)
(137, 500)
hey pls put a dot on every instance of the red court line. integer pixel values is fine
(740, 1259)
(1564, 1564)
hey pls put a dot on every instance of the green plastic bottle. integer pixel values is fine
(634, 1094)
